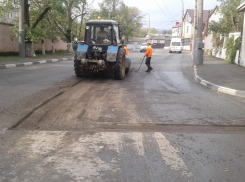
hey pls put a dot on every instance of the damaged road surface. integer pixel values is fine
(158, 126)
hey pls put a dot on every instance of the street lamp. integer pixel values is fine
(182, 19)
(149, 25)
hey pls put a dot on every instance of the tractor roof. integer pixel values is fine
(102, 22)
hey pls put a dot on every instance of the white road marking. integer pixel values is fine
(28, 63)
(10, 66)
(43, 61)
(54, 60)
(170, 155)
(92, 156)
(227, 90)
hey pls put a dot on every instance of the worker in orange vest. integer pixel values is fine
(124, 47)
(148, 55)
(128, 62)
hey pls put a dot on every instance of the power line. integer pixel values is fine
(162, 10)
(190, 4)
(161, 21)
(177, 15)
(167, 8)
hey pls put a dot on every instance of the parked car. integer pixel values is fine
(175, 45)
(143, 47)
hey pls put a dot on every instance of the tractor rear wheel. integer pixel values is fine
(127, 70)
(77, 67)
(119, 69)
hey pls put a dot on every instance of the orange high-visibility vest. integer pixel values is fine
(126, 50)
(148, 52)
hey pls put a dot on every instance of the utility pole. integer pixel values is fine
(21, 29)
(182, 22)
(199, 41)
(194, 30)
(149, 29)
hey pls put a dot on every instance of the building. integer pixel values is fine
(241, 56)
(157, 40)
(134, 43)
(176, 30)
(188, 24)
(214, 16)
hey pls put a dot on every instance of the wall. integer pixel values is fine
(209, 39)
(133, 47)
(187, 20)
(59, 46)
(7, 46)
(209, 42)
(221, 53)
(216, 16)
(242, 54)
(176, 31)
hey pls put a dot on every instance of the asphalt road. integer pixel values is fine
(158, 126)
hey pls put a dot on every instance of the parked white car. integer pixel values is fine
(175, 45)
(143, 47)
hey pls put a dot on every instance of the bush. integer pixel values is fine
(208, 52)
(232, 47)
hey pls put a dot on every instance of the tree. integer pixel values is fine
(129, 18)
(35, 12)
(64, 20)
(141, 33)
(231, 21)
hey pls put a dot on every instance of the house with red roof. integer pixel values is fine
(176, 29)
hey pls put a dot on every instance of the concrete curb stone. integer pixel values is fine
(218, 88)
(8, 66)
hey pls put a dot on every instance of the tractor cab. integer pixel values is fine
(102, 32)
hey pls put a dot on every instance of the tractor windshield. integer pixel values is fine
(101, 34)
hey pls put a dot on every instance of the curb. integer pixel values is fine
(218, 88)
(8, 66)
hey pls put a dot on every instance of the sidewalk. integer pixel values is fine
(5, 64)
(219, 75)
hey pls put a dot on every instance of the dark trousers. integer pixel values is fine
(148, 62)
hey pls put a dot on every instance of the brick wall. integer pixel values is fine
(8, 46)
(59, 46)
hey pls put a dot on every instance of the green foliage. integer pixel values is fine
(129, 18)
(208, 52)
(231, 21)
(66, 19)
(141, 33)
(232, 47)
(6, 7)
(218, 41)
(154, 31)
(15, 30)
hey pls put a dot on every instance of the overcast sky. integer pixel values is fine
(163, 13)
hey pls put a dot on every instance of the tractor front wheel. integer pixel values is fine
(119, 69)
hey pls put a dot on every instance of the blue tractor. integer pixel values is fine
(101, 53)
